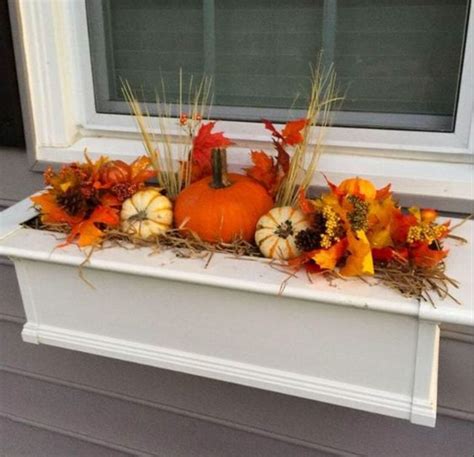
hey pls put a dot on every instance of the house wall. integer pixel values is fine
(56, 402)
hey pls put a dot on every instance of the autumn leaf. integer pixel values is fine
(360, 260)
(51, 212)
(423, 256)
(327, 258)
(292, 131)
(305, 204)
(267, 171)
(389, 253)
(86, 232)
(283, 158)
(383, 254)
(380, 238)
(109, 199)
(205, 141)
(383, 193)
(400, 226)
(141, 171)
(263, 169)
(380, 218)
(305, 260)
(333, 187)
(92, 168)
(275, 133)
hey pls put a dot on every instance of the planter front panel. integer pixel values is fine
(347, 356)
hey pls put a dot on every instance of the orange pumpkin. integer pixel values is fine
(222, 207)
(115, 171)
(358, 186)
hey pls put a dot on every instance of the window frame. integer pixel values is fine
(55, 49)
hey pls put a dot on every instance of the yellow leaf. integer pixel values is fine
(327, 258)
(360, 260)
(380, 238)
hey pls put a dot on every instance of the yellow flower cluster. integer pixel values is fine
(332, 221)
(425, 232)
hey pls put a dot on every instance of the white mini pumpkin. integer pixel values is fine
(276, 232)
(146, 213)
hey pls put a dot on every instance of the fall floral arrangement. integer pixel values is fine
(193, 202)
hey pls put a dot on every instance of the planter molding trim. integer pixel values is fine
(346, 343)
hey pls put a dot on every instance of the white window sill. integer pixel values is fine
(345, 343)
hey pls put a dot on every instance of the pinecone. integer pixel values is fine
(308, 240)
(72, 201)
(318, 222)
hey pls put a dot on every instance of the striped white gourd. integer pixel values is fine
(276, 232)
(146, 213)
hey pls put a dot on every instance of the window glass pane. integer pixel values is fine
(398, 61)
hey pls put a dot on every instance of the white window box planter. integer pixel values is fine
(348, 343)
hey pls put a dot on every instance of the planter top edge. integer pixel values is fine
(224, 271)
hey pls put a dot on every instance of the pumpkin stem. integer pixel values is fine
(219, 169)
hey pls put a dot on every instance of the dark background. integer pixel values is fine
(11, 125)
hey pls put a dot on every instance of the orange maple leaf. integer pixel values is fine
(333, 187)
(263, 169)
(87, 233)
(305, 260)
(92, 168)
(141, 171)
(267, 171)
(383, 193)
(327, 258)
(292, 131)
(51, 212)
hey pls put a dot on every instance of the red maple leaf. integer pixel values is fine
(423, 256)
(400, 226)
(269, 126)
(283, 158)
(304, 203)
(205, 141)
(389, 253)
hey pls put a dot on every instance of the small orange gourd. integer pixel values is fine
(222, 207)
(115, 171)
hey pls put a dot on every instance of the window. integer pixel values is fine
(406, 66)
(398, 61)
